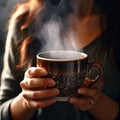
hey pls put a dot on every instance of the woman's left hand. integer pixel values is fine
(89, 96)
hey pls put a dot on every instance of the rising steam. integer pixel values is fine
(57, 32)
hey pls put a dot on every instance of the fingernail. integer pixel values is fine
(43, 72)
(51, 82)
(57, 91)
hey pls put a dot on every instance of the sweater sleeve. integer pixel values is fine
(5, 110)
(10, 77)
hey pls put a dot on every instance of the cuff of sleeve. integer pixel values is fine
(5, 110)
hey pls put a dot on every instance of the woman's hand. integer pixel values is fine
(38, 91)
(89, 95)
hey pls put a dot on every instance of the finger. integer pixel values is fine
(40, 94)
(80, 101)
(37, 83)
(88, 92)
(82, 104)
(35, 72)
(40, 103)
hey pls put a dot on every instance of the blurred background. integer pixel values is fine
(6, 7)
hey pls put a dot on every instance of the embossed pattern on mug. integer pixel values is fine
(68, 84)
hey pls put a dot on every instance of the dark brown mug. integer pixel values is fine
(69, 70)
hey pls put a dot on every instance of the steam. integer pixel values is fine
(51, 33)
(57, 32)
(57, 35)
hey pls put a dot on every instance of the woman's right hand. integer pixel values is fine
(37, 90)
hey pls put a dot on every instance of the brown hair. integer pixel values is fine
(24, 14)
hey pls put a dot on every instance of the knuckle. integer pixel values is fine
(55, 91)
(30, 82)
(22, 84)
(34, 95)
(30, 72)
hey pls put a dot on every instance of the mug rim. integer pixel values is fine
(61, 60)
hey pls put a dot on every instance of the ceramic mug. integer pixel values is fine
(69, 70)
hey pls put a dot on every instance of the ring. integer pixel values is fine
(92, 102)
